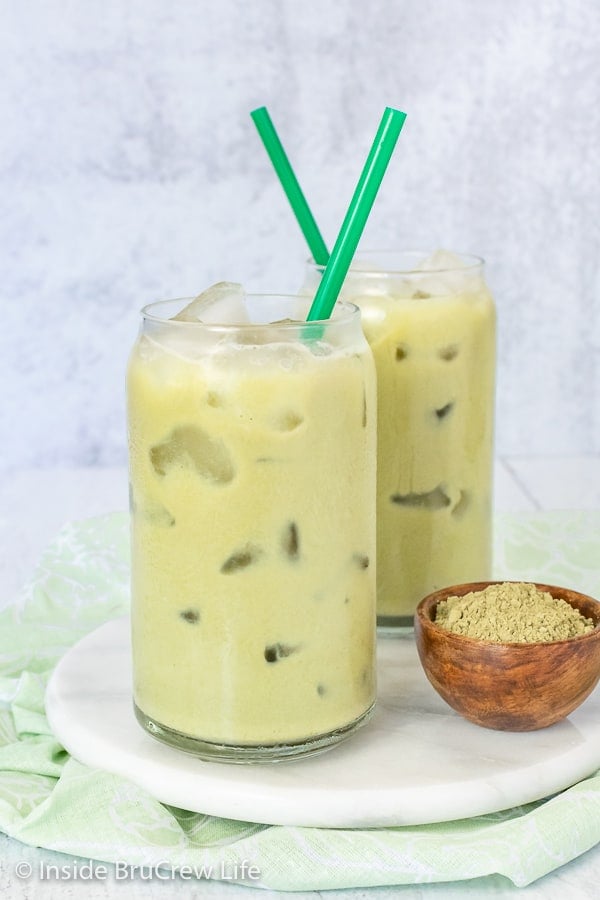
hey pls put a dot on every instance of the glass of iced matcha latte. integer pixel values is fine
(430, 322)
(252, 462)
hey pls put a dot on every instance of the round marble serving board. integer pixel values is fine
(415, 762)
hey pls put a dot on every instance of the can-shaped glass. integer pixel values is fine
(252, 452)
(430, 322)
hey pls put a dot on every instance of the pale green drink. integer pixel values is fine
(431, 327)
(252, 456)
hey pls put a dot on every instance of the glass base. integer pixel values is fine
(394, 626)
(250, 753)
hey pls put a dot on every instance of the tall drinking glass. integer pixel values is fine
(252, 464)
(430, 323)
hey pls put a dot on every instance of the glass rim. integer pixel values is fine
(472, 262)
(344, 311)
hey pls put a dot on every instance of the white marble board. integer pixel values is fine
(415, 762)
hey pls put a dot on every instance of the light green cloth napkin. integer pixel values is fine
(49, 800)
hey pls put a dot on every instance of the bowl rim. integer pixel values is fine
(427, 603)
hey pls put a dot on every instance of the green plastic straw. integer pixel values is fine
(290, 185)
(358, 213)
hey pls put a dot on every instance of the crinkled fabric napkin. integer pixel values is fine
(49, 800)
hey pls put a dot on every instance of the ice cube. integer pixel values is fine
(287, 420)
(290, 355)
(448, 352)
(191, 615)
(165, 340)
(369, 279)
(443, 411)
(361, 560)
(275, 652)
(151, 510)
(437, 498)
(373, 316)
(241, 559)
(462, 504)
(190, 447)
(221, 304)
(290, 541)
(449, 275)
(441, 261)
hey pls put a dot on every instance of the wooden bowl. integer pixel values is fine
(509, 686)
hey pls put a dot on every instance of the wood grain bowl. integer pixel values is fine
(509, 686)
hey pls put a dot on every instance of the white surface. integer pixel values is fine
(415, 762)
(557, 483)
(34, 504)
(130, 170)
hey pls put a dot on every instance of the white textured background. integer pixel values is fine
(130, 170)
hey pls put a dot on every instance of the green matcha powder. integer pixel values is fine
(512, 612)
